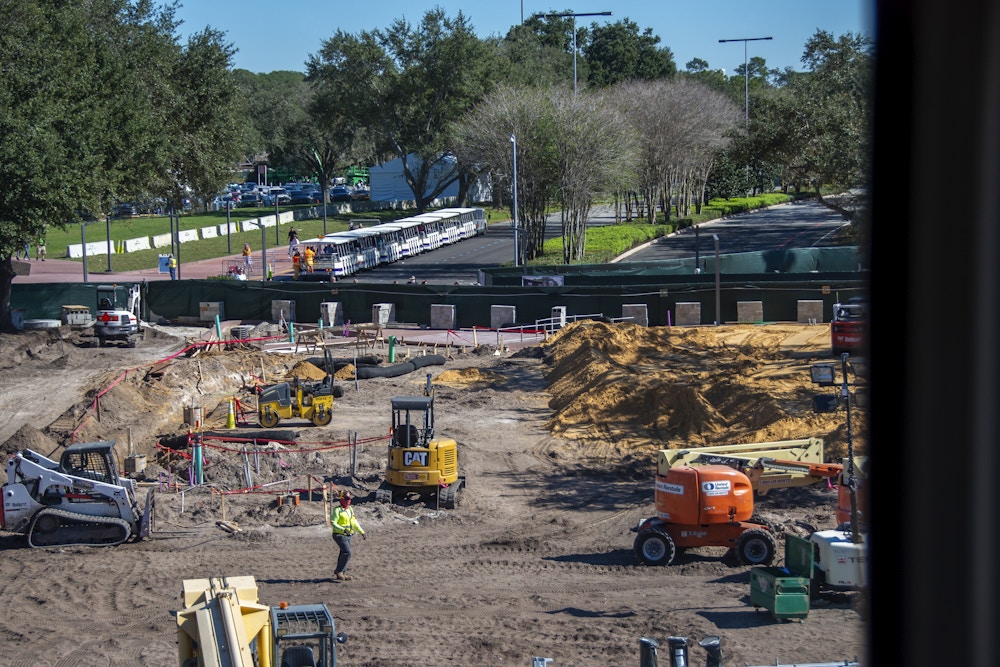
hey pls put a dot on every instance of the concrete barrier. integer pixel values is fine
(749, 312)
(131, 245)
(383, 313)
(502, 316)
(283, 310)
(94, 248)
(687, 313)
(809, 311)
(443, 316)
(185, 235)
(249, 226)
(332, 313)
(234, 228)
(638, 313)
(209, 232)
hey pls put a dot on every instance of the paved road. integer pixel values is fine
(799, 225)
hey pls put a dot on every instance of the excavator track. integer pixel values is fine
(52, 527)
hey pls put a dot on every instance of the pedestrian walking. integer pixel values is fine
(247, 257)
(25, 249)
(309, 255)
(293, 244)
(40, 248)
(344, 524)
(172, 265)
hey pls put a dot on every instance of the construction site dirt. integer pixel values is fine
(558, 443)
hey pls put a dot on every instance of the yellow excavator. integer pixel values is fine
(418, 462)
(223, 624)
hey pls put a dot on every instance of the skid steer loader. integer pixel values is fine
(79, 501)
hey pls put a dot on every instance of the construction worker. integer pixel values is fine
(247, 257)
(172, 265)
(344, 524)
(296, 265)
(309, 255)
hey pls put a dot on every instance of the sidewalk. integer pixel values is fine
(68, 271)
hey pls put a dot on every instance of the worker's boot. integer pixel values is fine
(339, 576)
(345, 577)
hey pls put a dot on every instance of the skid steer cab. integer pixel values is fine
(117, 315)
(418, 463)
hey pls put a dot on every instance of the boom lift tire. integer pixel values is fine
(655, 547)
(755, 547)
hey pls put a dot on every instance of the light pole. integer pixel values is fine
(718, 291)
(573, 16)
(746, 71)
(513, 142)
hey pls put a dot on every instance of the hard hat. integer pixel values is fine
(345, 495)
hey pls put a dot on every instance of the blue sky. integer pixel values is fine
(282, 35)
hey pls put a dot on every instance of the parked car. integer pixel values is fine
(250, 200)
(361, 193)
(280, 194)
(340, 193)
(302, 197)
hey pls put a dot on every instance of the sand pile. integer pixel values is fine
(467, 376)
(668, 388)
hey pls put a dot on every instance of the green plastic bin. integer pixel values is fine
(784, 591)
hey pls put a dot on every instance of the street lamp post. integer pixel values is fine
(517, 252)
(108, 229)
(718, 291)
(746, 72)
(573, 16)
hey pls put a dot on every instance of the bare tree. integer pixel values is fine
(597, 152)
(682, 124)
(486, 136)
(569, 149)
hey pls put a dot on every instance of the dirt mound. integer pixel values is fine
(305, 370)
(667, 388)
(467, 376)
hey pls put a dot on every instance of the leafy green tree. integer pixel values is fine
(403, 85)
(204, 128)
(97, 106)
(819, 124)
(274, 104)
(698, 69)
(619, 52)
(528, 57)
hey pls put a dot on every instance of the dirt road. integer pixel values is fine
(536, 560)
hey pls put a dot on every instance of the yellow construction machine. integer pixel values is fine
(297, 399)
(768, 465)
(224, 625)
(418, 462)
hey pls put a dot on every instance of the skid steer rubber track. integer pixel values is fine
(58, 528)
